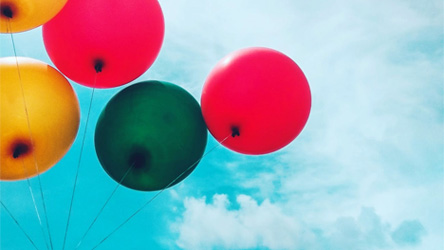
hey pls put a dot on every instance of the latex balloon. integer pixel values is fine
(154, 127)
(53, 112)
(22, 15)
(119, 39)
(260, 97)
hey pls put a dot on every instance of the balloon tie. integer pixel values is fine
(79, 161)
(235, 131)
(7, 11)
(158, 193)
(139, 159)
(30, 136)
(104, 205)
(18, 224)
(19, 150)
(98, 65)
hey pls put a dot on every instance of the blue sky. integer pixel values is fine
(365, 173)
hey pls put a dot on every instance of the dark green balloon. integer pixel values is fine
(156, 127)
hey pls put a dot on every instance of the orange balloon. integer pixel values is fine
(24, 15)
(33, 145)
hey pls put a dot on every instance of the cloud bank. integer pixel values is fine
(248, 224)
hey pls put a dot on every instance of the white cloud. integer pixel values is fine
(365, 232)
(408, 233)
(249, 225)
(217, 225)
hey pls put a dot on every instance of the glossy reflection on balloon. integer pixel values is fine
(124, 37)
(53, 111)
(154, 127)
(22, 15)
(259, 96)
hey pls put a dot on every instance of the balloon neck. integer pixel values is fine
(7, 11)
(20, 149)
(139, 160)
(98, 65)
(235, 131)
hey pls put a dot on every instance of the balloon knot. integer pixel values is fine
(235, 131)
(6, 11)
(20, 149)
(139, 159)
(98, 65)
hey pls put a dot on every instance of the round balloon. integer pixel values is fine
(117, 39)
(153, 131)
(51, 105)
(260, 97)
(22, 15)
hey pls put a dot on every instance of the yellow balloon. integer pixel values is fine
(37, 125)
(24, 15)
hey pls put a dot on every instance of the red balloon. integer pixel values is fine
(258, 97)
(119, 39)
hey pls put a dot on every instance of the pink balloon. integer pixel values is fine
(259, 98)
(119, 39)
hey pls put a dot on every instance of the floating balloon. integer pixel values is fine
(119, 39)
(22, 15)
(260, 97)
(53, 112)
(153, 128)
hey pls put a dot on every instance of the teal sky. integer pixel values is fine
(365, 173)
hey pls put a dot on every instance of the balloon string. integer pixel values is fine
(36, 210)
(158, 193)
(104, 205)
(18, 224)
(31, 137)
(80, 159)
(35, 205)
